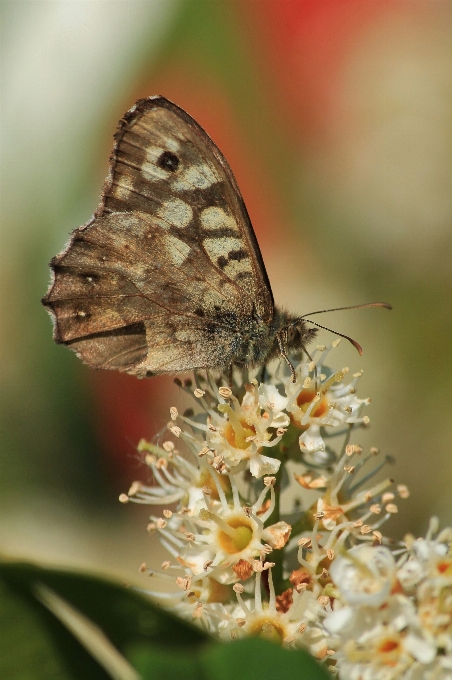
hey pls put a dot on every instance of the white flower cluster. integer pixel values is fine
(319, 577)
(393, 619)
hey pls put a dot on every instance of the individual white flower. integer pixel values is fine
(364, 575)
(202, 600)
(345, 500)
(220, 539)
(411, 573)
(291, 621)
(239, 431)
(320, 398)
(176, 479)
(272, 401)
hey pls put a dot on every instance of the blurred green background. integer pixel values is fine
(336, 117)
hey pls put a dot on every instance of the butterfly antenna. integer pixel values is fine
(347, 337)
(386, 305)
(355, 344)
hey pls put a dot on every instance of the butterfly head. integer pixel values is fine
(295, 334)
(299, 334)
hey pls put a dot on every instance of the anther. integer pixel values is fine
(403, 490)
(198, 610)
(168, 446)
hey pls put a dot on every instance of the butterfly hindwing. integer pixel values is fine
(106, 281)
(166, 275)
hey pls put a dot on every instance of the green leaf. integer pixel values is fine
(26, 650)
(153, 664)
(68, 606)
(257, 659)
(75, 626)
(248, 659)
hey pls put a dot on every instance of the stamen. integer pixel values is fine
(257, 594)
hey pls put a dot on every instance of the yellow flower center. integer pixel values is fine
(304, 401)
(444, 567)
(239, 540)
(268, 629)
(207, 480)
(389, 650)
(236, 433)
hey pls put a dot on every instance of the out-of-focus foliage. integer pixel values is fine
(78, 626)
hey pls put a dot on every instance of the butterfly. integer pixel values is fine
(167, 276)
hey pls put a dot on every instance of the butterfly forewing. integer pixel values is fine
(165, 275)
(166, 165)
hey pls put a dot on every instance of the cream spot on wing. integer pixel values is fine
(221, 246)
(196, 177)
(235, 267)
(216, 218)
(171, 144)
(176, 250)
(175, 213)
(123, 188)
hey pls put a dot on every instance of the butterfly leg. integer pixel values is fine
(230, 374)
(282, 351)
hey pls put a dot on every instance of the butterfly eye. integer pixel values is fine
(292, 333)
(168, 161)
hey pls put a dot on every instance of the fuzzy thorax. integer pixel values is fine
(260, 342)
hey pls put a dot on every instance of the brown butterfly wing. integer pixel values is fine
(165, 275)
